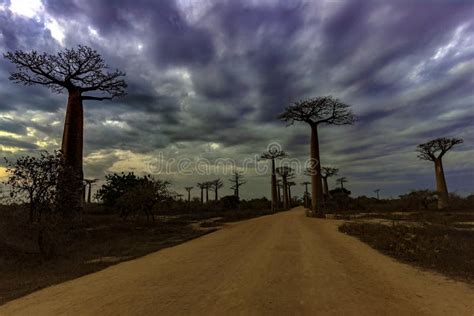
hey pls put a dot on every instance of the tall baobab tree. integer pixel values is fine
(79, 71)
(188, 189)
(434, 150)
(215, 186)
(327, 172)
(202, 186)
(207, 186)
(315, 112)
(377, 192)
(237, 181)
(89, 183)
(278, 183)
(272, 154)
(285, 172)
(341, 181)
(306, 193)
(290, 199)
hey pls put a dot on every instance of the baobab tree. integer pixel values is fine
(278, 182)
(89, 183)
(202, 186)
(215, 186)
(79, 71)
(327, 172)
(341, 181)
(377, 192)
(285, 172)
(306, 193)
(434, 150)
(290, 199)
(207, 186)
(272, 154)
(237, 181)
(315, 112)
(188, 189)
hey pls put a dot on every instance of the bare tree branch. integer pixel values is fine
(436, 148)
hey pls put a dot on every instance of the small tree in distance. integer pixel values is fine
(315, 112)
(78, 71)
(327, 172)
(272, 154)
(434, 150)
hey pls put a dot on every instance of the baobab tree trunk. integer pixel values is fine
(325, 187)
(70, 188)
(316, 187)
(216, 196)
(289, 196)
(274, 188)
(89, 193)
(189, 196)
(285, 194)
(207, 195)
(441, 187)
(278, 196)
(202, 195)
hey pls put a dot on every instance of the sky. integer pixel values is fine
(207, 79)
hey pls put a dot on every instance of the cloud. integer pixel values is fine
(219, 72)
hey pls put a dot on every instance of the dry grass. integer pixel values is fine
(442, 248)
(89, 246)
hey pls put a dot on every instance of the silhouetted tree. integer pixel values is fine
(89, 183)
(237, 181)
(341, 181)
(377, 192)
(306, 193)
(215, 186)
(279, 193)
(285, 172)
(327, 172)
(434, 150)
(202, 186)
(272, 154)
(188, 189)
(35, 179)
(78, 71)
(317, 111)
(290, 199)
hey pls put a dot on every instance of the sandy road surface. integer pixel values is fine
(281, 264)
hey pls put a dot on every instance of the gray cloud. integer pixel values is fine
(219, 72)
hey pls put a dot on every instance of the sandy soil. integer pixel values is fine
(279, 264)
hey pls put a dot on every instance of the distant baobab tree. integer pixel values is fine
(285, 172)
(327, 172)
(434, 150)
(272, 154)
(341, 181)
(79, 71)
(89, 183)
(237, 181)
(278, 183)
(290, 199)
(306, 193)
(314, 112)
(188, 189)
(202, 186)
(377, 192)
(207, 186)
(215, 186)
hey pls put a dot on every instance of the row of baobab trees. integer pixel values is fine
(85, 76)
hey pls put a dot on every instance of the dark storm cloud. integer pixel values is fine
(221, 71)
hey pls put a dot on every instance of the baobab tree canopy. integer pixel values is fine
(320, 110)
(77, 69)
(437, 148)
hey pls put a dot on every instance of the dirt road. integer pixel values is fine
(280, 264)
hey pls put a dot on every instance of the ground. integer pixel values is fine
(279, 264)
